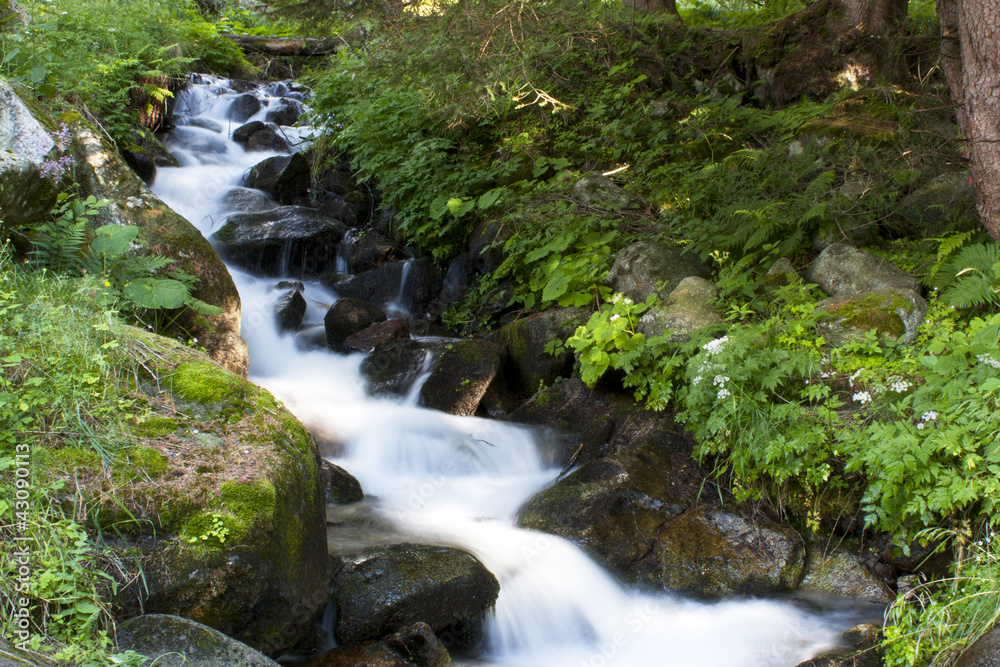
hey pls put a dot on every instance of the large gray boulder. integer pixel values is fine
(601, 192)
(841, 573)
(714, 553)
(290, 240)
(172, 641)
(385, 589)
(985, 652)
(25, 197)
(688, 308)
(646, 268)
(888, 312)
(842, 269)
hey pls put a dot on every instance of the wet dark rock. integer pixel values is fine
(379, 332)
(530, 365)
(245, 200)
(613, 507)
(289, 311)
(841, 270)
(384, 285)
(339, 485)
(146, 154)
(985, 652)
(714, 553)
(173, 641)
(369, 250)
(414, 646)
(261, 136)
(142, 164)
(290, 240)
(388, 588)
(287, 112)
(392, 366)
(349, 316)
(243, 107)
(497, 303)
(646, 268)
(463, 374)
(284, 177)
(457, 280)
(486, 245)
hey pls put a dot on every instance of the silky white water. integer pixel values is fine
(459, 480)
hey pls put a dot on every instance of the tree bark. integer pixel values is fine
(877, 18)
(974, 79)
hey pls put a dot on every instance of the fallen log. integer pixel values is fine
(285, 46)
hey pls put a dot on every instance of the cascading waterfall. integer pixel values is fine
(458, 481)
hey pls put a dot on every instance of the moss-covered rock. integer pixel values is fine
(172, 642)
(841, 573)
(841, 270)
(221, 500)
(463, 375)
(688, 308)
(388, 588)
(714, 553)
(887, 312)
(530, 366)
(103, 174)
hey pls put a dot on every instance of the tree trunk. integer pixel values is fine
(876, 18)
(972, 65)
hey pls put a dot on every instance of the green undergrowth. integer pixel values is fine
(116, 60)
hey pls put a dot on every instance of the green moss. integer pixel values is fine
(155, 427)
(204, 382)
(874, 311)
(250, 501)
(143, 459)
(66, 458)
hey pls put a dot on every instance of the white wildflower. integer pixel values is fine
(615, 318)
(720, 380)
(862, 397)
(696, 380)
(723, 393)
(898, 384)
(929, 416)
(627, 301)
(988, 360)
(715, 346)
(854, 377)
(920, 426)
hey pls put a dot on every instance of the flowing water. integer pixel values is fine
(459, 481)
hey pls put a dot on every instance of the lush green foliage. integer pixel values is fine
(113, 57)
(61, 385)
(933, 623)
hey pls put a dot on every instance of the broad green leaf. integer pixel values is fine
(156, 293)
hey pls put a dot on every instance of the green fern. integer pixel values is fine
(972, 278)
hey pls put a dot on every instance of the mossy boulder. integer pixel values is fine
(599, 191)
(385, 589)
(220, 500)
(887, 312)
(103, 174)
(530, 366)
(172, 641)
(415, 646)
(841, 270)
(839, 572)
(404, 287)
(646, 268)
(394, 365)
(688, 308)
(464, 373)
(25, 197)
(715, 553)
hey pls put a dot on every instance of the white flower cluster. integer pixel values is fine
(988, 360)
(926, 418)
(621, 298)
(713, 348)
(862, 397)
(898, 384)
(614, 317)
(854, 377)
(720, 382)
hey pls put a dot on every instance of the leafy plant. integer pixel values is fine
(971, 277)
